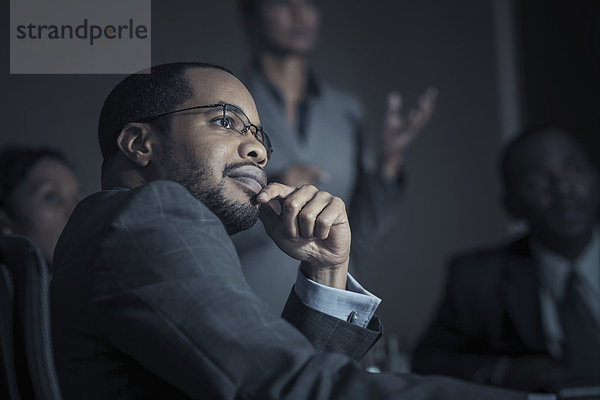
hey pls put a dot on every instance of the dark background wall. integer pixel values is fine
(368, 49)
(559, 49)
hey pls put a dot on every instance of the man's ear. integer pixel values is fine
(135, 142)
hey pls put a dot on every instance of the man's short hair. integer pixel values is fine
(143, 94)
(523, 137)
(15, 163)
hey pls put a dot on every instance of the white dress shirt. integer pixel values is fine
(355, 304)
(553, 272)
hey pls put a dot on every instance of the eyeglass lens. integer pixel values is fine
(242, 124)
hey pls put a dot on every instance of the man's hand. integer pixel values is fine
(312, 227)
(399, 131)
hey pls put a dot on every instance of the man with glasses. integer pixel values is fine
(148, 298)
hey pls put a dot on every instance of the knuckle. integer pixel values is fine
(321, 233)
(309, 187)
(307, 216)
(339, 202)
(291, 205)
(324, 222)
(323, 196)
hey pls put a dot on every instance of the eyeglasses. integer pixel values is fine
(226, 116)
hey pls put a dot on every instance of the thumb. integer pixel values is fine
(270, 220)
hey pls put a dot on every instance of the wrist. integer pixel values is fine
(334, 275)
(391, 166)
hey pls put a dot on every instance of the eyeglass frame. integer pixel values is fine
(257, 128)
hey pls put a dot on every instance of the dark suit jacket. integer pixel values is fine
(491, 311)
(149, 301)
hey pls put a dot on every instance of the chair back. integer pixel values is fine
(27, 357)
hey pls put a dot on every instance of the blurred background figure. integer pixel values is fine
(38, 192)
(527, 315)
(318, 138)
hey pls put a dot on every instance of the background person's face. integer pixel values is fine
(200, 154)
(289, 26)
(555, 187)
(42, 204)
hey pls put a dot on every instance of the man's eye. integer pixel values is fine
(225, 122)
(538, 183)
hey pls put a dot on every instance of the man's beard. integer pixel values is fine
(194, 175)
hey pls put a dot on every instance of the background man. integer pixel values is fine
(148, 298)
(527, 315)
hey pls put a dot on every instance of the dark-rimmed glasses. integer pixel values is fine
(229, 117)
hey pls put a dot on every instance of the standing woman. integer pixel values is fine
(317, 133)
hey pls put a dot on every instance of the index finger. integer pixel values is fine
(274, 190)
(428, 99)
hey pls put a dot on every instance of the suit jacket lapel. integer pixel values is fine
(522, 295)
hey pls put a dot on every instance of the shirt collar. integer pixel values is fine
(313, 87)
(554, 269)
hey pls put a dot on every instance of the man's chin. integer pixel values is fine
(238, 216)
(237, 209)
(240, 226)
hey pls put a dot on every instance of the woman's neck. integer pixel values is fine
(288, 74)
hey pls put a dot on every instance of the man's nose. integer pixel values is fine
(251, 149)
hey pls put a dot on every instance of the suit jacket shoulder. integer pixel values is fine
(149, 298)
(478, 281)
(476, 271)
(490, 309)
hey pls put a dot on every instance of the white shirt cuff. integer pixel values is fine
(355, 304)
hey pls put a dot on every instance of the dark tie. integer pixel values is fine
(582, 333)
